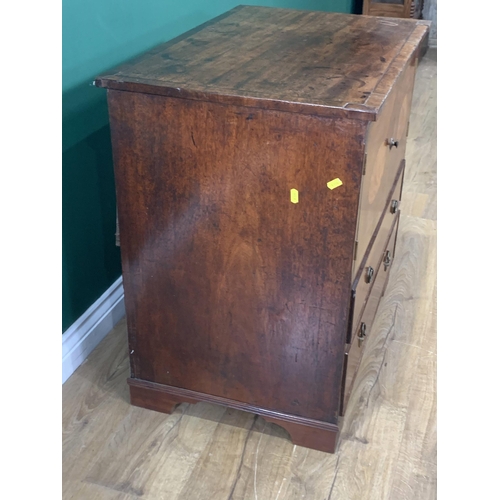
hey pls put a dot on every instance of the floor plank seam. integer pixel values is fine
(133, 495)
(238, 472)
(385, 348)
(255, 467)
(336, 473)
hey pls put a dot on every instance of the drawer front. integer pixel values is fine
(361, 330)
(364, 278)
(383, 160)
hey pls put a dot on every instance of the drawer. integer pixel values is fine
(383, 160)
(361, 331)
(362, 282)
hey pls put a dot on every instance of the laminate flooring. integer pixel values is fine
(387, 450)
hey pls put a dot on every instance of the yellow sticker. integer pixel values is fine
(294, 196)
(334, 184)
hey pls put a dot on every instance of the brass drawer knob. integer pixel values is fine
(387, 259)
(369, 274)
(394, 206)
(361, 333)
(392, 143)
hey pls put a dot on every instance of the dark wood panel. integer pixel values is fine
(387, 8)
(231, 289)
(302, 61)
(354, 351)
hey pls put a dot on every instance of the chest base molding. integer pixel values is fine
(305, 432)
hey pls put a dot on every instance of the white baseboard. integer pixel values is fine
(82, 337)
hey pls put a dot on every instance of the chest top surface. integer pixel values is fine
(302, 61)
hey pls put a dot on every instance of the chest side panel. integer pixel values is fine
(231, 288)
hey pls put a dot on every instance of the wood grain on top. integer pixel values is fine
(302, 61)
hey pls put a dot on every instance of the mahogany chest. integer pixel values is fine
(259, 161)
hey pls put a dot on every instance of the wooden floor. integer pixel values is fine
(112, 450)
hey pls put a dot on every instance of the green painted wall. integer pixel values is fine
(97, 35)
